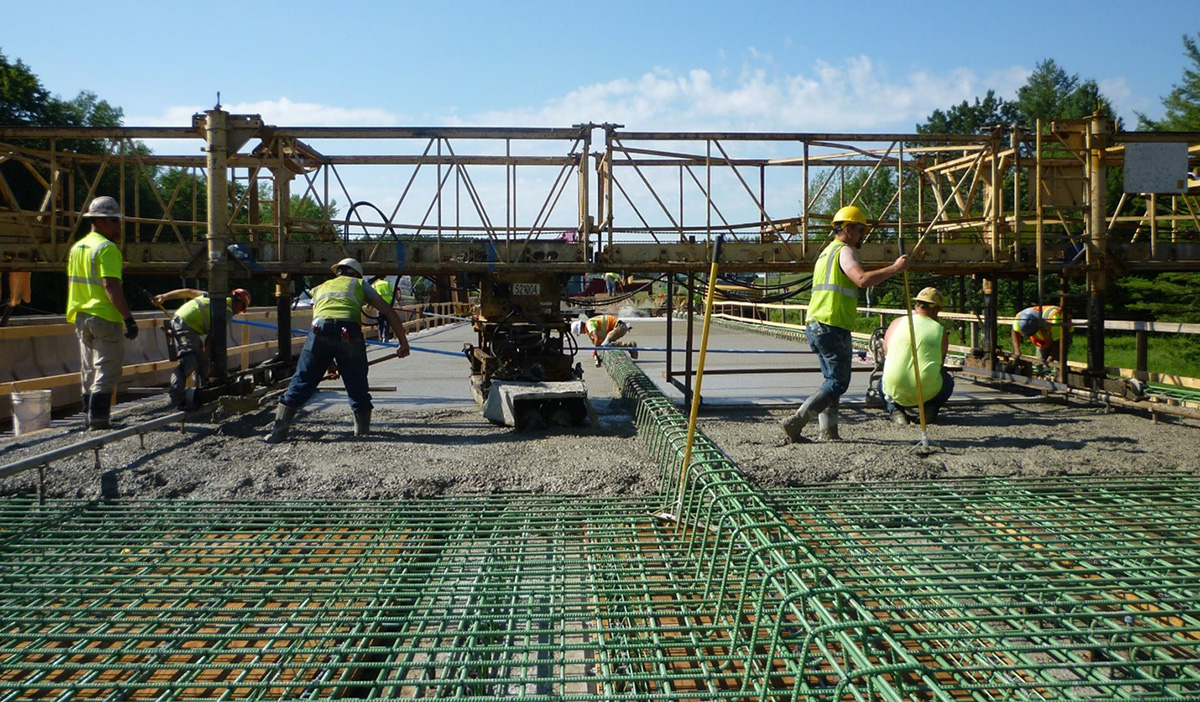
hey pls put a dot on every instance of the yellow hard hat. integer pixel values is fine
(850, 213)
(930, 295)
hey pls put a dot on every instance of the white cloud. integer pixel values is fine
(853, 95)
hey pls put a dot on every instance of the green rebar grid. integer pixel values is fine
(1057, 588)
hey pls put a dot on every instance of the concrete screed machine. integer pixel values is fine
(523, 368)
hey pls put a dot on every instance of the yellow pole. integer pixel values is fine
(695, 409)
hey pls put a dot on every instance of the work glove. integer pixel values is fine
(131, 328)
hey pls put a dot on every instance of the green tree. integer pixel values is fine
(979, 117)
(1183, 102)
(1051, 93)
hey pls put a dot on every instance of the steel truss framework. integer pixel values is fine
(458, 199)
(486, 200)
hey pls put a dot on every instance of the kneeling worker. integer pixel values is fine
(190, 327)
(337, 336)
(898, 386)
(605, 330)
(1044, 326)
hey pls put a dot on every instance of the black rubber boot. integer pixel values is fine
(87, 403)
(283, 421)
(362, 423)
(794, 426)
(828, 421)
(99, 408)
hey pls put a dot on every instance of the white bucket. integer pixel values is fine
(31, 411)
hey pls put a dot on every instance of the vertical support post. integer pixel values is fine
(1143, 348)
(691, 323)
(216, 137)
(670, 320)
(989, 320)
(283, 314)
(1097, 250)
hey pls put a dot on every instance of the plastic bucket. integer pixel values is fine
(31, 411)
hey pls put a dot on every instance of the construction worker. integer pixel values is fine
(386, 290)
(190, 327)
(1044, 326)
(337, 336)
(837, 276)
(605, 330)
(611, 281)
(97, 307)
(898, 386)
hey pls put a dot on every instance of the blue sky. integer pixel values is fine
(787, 66)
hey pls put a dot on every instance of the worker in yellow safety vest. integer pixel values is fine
(97, 307)
(1044, 326)
(832, 310)
(605, 330)
(387, 291)
(337, 336)
(898, 386)
(190, 328)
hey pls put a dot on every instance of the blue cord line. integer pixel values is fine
(386, 344)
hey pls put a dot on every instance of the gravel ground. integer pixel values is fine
(421, 454)
(968, 441)
(408, 454)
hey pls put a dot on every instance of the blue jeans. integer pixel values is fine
(333, 340)
(932, 406)
(834, 352)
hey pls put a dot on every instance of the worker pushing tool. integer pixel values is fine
(898, 386)
(837, 276)
(190, 327)
(336, 335)
(605, 330)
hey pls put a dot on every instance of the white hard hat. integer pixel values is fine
(348, 263)
(577, 326)
(103, 206)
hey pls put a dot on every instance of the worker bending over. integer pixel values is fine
(337, 336)
(898, 386)
(605, 330)
(832, 311)
(1044, 326)
(190, 328)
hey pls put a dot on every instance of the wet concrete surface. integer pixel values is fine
(429, 437)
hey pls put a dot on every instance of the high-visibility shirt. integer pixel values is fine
(599, 326)
(899, 382)
(92, 259)
(1045, 338)
(197, 313)
(384, 287)
(834, 296)
(340, 298)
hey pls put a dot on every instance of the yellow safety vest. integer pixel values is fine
(834, 296)
(599, 326)
(340, 298)
(1053, 316)
(197, 313)
(898, 379)
(92, 259)
(384, 287)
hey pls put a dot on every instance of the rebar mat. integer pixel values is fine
(993, 589)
